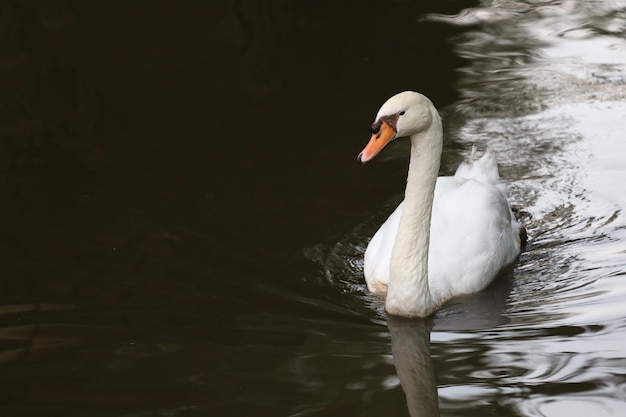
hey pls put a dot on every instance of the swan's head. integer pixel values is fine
(404, 114)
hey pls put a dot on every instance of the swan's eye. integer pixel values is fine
(402, 113)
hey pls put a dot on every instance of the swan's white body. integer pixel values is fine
(473, 234)
(418, 263)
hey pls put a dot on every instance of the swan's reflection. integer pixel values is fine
(410, 340)
(410, 345)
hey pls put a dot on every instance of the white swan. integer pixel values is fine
(419, 264)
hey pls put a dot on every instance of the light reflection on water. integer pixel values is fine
(562, 353)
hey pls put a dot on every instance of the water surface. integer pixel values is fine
(183, 219)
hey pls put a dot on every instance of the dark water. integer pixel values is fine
(183, 217)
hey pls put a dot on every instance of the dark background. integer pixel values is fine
(162, 164)
(228, 117)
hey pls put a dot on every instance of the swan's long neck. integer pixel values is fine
(408, 293)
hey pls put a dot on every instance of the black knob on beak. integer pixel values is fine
(375, 127)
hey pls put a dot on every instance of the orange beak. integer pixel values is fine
(378, 141)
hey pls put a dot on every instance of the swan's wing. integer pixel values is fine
(473, 236)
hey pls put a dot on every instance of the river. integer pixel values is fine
(183, 217)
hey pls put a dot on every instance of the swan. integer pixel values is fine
(451, 235)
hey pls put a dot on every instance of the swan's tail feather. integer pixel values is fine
(483, 169)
